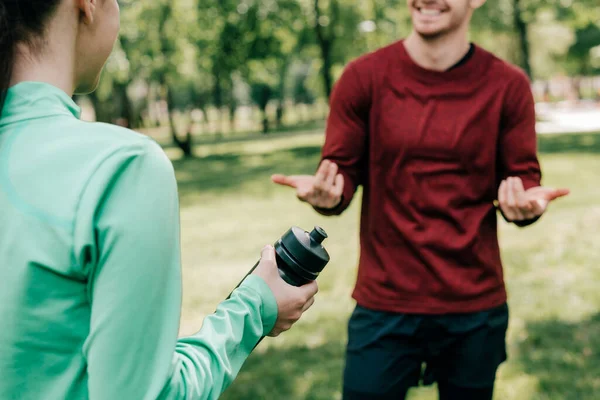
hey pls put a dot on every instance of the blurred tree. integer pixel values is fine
(276, 34)
(325, 31)
(222, 49)
(573, 14)
(385, 21)
(167, 57)
(192, 63)
(335, 25)
(580, 60)
(521, 25)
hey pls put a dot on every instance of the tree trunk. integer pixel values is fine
(521, 27)
(279, 115)
(265, 121)
(232, 110)
(204, 128)
(217, 88)
(152, 120)
(546, 94)
(325, 45)
(138, 120)
(184, 145)
(577, 87)
(281, 103)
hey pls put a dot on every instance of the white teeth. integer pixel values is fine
(430, 12)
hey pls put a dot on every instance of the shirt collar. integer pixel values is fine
(32, 100)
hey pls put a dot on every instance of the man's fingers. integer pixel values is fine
(547, 193)
(518, 195)
(338, 187)
(556, 193)
(331, 174)
(324, 186)
(518, 214)
(522, 201)
(503, 197)
(284, 180)
(510, 215)
(305, 194)
(540, 196)
(321, 174)
(517, 203)
(502, 194)
(511, 201)
(530, 214)
(538, 207)
(550, 195)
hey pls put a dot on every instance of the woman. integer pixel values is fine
(90, 285)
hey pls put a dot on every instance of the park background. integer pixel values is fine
(238, 90)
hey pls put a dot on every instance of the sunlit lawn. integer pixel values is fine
(230, 210)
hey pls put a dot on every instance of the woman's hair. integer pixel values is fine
(20, 21)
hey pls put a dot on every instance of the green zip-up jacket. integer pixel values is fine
(90, 270)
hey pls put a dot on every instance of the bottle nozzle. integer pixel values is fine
(318, 234)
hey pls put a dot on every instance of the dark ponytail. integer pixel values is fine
(20, 21)
(7, 50)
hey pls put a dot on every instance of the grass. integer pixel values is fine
(230, 210)
(162, 134)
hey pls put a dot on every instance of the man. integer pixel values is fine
(436, 130)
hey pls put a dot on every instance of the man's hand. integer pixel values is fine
(518, 204)
(292, 301)
(324, 190)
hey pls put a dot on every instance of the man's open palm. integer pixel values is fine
(518, 204)
(324, 190)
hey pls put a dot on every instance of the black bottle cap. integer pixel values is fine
(318, 234)
(306, 248)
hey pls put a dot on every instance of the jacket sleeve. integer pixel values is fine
(127, 240)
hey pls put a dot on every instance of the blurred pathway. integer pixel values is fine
(561, 118)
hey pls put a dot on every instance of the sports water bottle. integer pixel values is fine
(300, 256)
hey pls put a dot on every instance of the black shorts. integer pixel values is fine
(389, 353)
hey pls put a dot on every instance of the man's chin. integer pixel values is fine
(430, 34)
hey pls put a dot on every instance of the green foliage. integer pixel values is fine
(581, 57)
(218, 53)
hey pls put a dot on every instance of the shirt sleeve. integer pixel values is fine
(127, 242)
(346, 134)
(518, 139)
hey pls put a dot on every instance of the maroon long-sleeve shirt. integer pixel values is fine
(430, 150)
